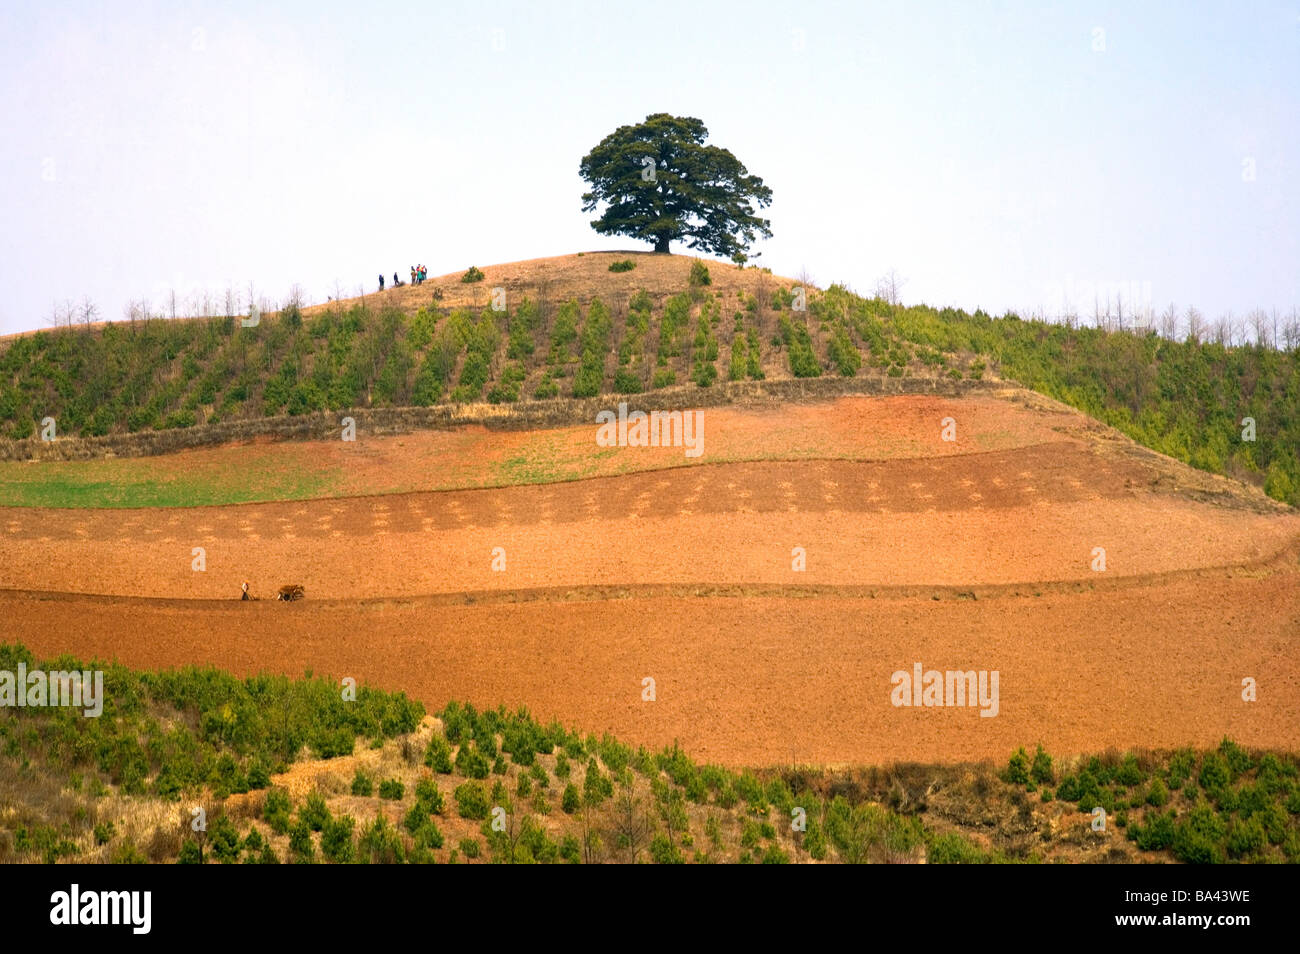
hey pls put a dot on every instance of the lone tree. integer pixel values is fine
(661, 184)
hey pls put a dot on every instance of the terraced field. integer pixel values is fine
(769, 588)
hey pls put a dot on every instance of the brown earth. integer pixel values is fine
(766, 680)
(582, 276)
(955, 557)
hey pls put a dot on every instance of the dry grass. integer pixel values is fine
(583, 276)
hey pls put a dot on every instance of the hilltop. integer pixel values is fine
(581, 276)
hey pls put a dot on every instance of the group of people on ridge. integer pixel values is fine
(418, 274)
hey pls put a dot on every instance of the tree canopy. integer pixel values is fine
(661, 184)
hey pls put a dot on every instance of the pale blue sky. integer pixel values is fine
(991, 153)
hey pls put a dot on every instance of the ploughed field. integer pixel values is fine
(978, 554)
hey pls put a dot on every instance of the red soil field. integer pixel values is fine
(972, 557)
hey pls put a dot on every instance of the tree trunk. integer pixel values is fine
(661, 243)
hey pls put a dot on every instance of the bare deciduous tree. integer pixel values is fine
(1169, 322)
(631, 825)
(1222, 331)
(1261, 324)
(87, 313)
(889, 287)
(1195, 324)
(61, 315)
(1291, 330)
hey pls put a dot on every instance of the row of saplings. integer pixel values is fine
(660, 827)
(1228, 804)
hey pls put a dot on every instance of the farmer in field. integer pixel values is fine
(245, 586)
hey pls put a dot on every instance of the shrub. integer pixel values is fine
(392, 789)
(104, 832)
(571, 849)
(546, 388)
(843, 353)
(276, 810)
(1041, 770)
(336, 840)
(1129, 772)
(506, 390)
(190, 854)
(664, 852)
(428, 835)
(1157, 793)
(1018, 768)
(625, 265)
(596, 786)
(1237, 758)
(1245, 838)
(587, 382)
(699, 276)
(1197, 837)
(438, 755)
(705, 374)
(471, 763)
(362, 784)
(429, 797)
(664, 377)
(1157, 834)
(803, 363)
(1274, 820)
(627, 382)
(775, 856)
(473, 275)
(300, 842)
(953, 849)
(471, 801)
(225, 840)
(570, 801)
(1181, 764)
(314, 812)
(380, 843)
(1214, 775)
(469, 847)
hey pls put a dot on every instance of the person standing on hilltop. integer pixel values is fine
(396, 282)
(381, 282)
(412, 274)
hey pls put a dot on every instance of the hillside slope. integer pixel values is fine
(570, 328)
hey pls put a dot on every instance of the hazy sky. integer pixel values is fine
(997, 155)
